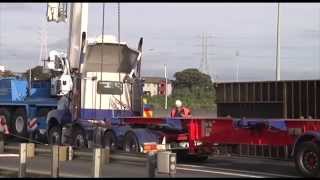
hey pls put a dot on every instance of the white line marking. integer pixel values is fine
(9, 155)
(236, 170)
(220, 172)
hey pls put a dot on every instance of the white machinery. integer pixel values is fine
(99, 81)
(61, 82)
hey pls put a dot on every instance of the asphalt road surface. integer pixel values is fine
(214, 167)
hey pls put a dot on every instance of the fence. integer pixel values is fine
(98, 156)
(269, 99)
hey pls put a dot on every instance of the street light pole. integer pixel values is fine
(237, 60)
(166, 93)
(278, 45)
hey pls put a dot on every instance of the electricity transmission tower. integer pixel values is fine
(204, 57)
(204, 65)
(43, 43)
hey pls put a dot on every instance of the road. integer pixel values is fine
(215, 167)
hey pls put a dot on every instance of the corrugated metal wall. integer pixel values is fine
(269, 99)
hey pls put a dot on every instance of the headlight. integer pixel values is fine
(198, 143)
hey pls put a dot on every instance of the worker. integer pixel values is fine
(180, 111)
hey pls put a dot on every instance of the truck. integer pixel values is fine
(93, 97)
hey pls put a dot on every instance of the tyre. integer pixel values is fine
(78, 138)
(183, 156)
(307, 159)
(54, 135)
(109, 140)
(201, 158)
(19, 123)
(131, 143)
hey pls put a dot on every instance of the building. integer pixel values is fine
(2, 69)
(156, 86)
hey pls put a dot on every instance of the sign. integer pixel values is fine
(110, 87)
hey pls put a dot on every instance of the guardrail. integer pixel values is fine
(165, 164)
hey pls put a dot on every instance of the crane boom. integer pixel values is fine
(78, 27)
(77, 33)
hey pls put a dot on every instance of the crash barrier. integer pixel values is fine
(156, 162)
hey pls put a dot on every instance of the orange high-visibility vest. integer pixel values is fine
(185, 112)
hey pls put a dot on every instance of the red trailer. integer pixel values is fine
(295, 139)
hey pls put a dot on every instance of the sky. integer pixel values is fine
(241, 36)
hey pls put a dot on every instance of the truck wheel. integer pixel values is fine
(54, 136)
(79, 138)
(109, 140)
(184, 157)
(201, 158)
(131, 143)
(20, 123)
(307, 159)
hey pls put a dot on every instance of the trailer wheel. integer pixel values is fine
(307, 159)
(131, 143)
(54, 136)
(20, 123)
(201, 158)
(78, 137)
(109, 140)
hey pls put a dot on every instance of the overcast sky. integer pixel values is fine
(172, 36)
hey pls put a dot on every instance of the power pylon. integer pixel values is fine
(43, 44)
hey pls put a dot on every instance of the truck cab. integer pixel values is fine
(108, 87)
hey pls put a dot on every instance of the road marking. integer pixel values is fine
(220, 172)
(240, 171)
(9, 155)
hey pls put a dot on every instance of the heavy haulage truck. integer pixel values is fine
(94, 99)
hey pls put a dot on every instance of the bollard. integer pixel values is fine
(23, 160)
(55, 161)
(70, 153)
(30, 150)
(166, 163)
(151, 164)
(63, 153)
(1, 143)
(106, 155)
(172, 164)
(97, 163)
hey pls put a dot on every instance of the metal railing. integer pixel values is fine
(256, 151)
(98, 156)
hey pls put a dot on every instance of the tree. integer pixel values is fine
(7, 73)
(37, 74)
(192, 79)
(194, 88)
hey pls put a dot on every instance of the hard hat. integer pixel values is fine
(178, 103)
